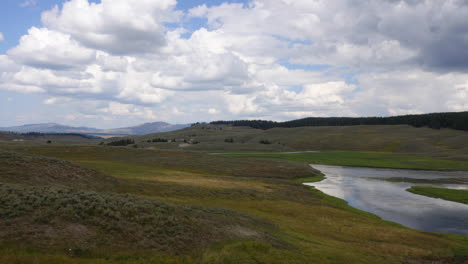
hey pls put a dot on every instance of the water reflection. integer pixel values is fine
(391, 201)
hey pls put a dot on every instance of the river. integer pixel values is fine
(362, 189)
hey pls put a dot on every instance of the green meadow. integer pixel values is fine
(363, 159)
(455, 195)
(100, 204)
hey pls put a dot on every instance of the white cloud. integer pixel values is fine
(44, 48)
(7, 65)
(112, 63)
(21, 88)
(256, 60)
(242, 104)
(325, 93)
(28, 3)
(354, 33)
(115, 26)
(411, 91)
(57, 100)
(116, 110)
(213, 111)
(1, 37)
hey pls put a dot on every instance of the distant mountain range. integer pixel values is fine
(143, 129)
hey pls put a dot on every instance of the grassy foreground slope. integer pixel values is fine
(460, 196)
(51, 209)
(242, 210)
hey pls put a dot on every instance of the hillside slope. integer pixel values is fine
(55, 204)
(453, 120)
(392, 138)
(20, 168)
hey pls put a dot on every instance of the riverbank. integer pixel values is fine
(459, 196)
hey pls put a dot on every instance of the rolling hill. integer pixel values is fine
(446, 143)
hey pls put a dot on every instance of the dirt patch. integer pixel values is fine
(244, 232)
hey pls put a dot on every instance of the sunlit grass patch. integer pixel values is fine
(365, 159)
(455, 195)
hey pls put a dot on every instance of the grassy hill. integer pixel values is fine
(55, 205)
(188, 207)
(443, 143)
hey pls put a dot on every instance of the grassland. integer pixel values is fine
(363, 159)
(458, 180)
(441, 144)
(459, 196)
(233, 210)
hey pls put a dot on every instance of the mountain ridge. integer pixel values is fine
(146, 128)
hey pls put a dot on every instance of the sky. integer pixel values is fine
(116, 63)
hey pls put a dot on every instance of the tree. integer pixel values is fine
(122, 142)
(454, 120)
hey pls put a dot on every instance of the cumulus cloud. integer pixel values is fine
(44, 48)
(275, 59)
(412, 91)
(356, 33)
(127, 110)
(115, 26)
(7, 65)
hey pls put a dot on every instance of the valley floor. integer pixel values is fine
(99, 204)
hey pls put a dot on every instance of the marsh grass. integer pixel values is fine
(425, 181)
(364, 159)
(455, 195)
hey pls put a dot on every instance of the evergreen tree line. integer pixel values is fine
(454, 120)
(122, 142)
